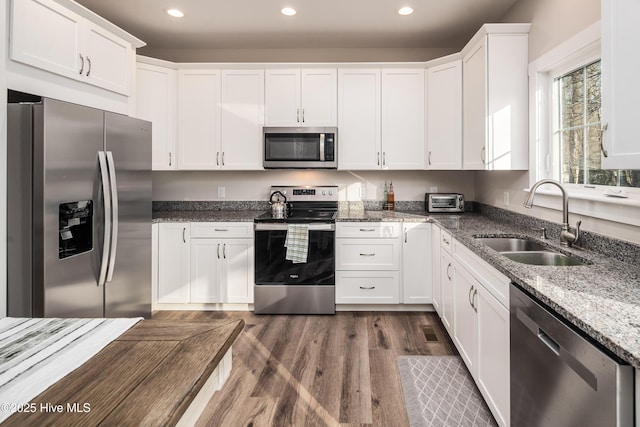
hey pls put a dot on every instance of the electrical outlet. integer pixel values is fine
(506, 198)
(221, 192)
(433, 189)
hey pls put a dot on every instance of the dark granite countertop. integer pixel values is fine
(601, 299)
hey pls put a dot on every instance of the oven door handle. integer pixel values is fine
(266, 226)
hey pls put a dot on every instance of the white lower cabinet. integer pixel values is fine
(417, 285)
(205, 263)
(447, 272)
(480, 322)
(435, 269)
(173, 263)
(367, 287)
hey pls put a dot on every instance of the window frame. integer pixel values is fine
(580, 50)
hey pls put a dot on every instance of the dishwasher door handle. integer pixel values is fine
(554, 346)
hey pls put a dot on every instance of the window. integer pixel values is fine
(576, 131)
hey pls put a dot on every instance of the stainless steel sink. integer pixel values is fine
(542, 258)
(528, 251)
(509, 244)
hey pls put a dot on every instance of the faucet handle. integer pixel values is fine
(543, 230)
(577, 233)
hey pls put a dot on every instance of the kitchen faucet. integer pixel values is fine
(567, 238)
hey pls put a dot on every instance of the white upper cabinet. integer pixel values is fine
(242, 119)
(156, 102)
(49, 36)
(620, 85)
(301, 97)
(444, 116)
(359, 130)
(495, 99)
(403, 119)
(199, 120)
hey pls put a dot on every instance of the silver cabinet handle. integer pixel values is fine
(184, 233)
(602, 131)
(378, 158)
(106, 194)
(429, 158)
(223, 158)
(384, 158)
(482, 153)
(81, 64)
(89, 70)
(373, 254)
(473, 299)
(303, 115)
(298, 115)
(367, 287)
(448, 275)
(406, 232)
(169, 159)
(446, 242)
(470, 296)
(220, 229)
(224, 251)
(367, 229)
(218, 250)
(217, 158)
(114, 215)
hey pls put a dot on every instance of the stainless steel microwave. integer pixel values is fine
(300, 148)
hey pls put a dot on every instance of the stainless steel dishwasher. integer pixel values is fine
(558, 377)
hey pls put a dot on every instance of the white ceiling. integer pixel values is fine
(258, 24)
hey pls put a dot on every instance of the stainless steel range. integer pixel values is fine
(295, 253)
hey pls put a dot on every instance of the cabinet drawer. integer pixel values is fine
(366, 287)
(368, 254)
(201, 230)
(366, 230)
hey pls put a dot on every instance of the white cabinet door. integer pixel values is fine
(620, 86)
(495, 99)
(173, 263)
(493, 362)
(403, 119)
(367, 287)
(318, 102)
(46, 35)
(282, 97)
(110, 60)
(206, 264)
(199, 119)
(444, 116)
(237, 273)
(465, 329)
(436, 277)
(417, 284)
(474, 116)
(359, 109)
(447, 272)
(368, 254)
(156, 102)
(242, 119)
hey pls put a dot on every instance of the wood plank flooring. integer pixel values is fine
(318, 370)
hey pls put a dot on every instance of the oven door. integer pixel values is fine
(271, 267)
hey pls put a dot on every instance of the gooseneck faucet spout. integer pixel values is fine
(567, 238)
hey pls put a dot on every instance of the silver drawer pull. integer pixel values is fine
(368, 254)
(220, 229)
(367, 229)
(445, 240)
(367, 287)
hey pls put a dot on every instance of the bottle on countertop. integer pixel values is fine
(385, 196)
(390, 196)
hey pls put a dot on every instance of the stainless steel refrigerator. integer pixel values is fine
(79, 212)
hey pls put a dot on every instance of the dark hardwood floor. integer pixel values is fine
(319, 370)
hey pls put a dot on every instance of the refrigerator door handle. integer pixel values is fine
(106, 194)
(114, 216)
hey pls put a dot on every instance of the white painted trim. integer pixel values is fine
(202, 307)
(494, 29)
(385, 307)
(4, 42)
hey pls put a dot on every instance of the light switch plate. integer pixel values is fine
(433, 189)
(221, 192)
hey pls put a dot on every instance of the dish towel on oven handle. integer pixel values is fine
(297, 243)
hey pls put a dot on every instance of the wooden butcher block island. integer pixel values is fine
(158, 373)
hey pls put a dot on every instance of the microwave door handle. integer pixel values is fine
(322, 147)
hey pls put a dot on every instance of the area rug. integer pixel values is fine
(439, 391)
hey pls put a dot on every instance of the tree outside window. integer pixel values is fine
(577, 132)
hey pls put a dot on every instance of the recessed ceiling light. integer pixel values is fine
(289, 11)
(175, 13)
(405, 10)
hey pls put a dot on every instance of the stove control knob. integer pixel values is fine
(331, 192)
(323, 193)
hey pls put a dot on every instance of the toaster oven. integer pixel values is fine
(444, 202)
